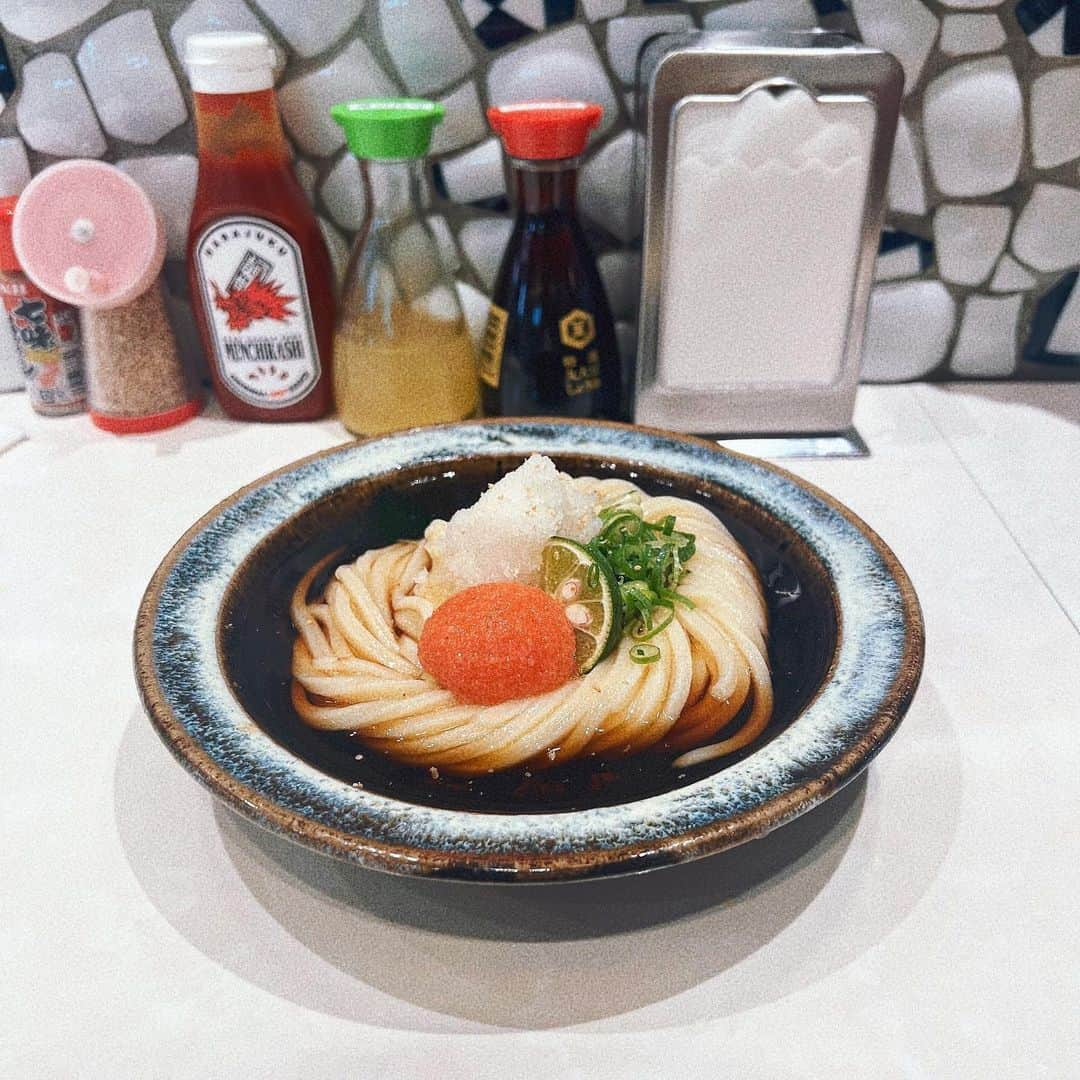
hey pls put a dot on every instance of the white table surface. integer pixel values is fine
(924, 923)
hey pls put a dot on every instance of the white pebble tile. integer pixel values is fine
(1010, 276)
(1055, 117)
(205, 16)
(307, 175)
(169, 180)
(464, 122)
(337, 247)
(424, 43)
(907, 190)
(595, 10)
(973, 122)
(563, 63)
(314, 25)
(763, 15)
(413, 253)
(908, 330)
(476, 306)
(625, 37)
(1047, 233)
(39, 21)
(444, 238)
(986, 344)
(306, 101)
(606, 186)
(901, 262)
(484, 241)
(968, 241)
(1066, 335)
(972, 3)
(476, 174)
(963, 34)
(903, 27)
(620, 272)
(343, 193)
(14, 167)
(54, 114)
(129, 79)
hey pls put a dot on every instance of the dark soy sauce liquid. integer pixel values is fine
(256, 634)
(550, 367)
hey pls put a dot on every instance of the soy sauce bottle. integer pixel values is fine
(549, 346)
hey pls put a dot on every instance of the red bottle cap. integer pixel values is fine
(8, 259)
(545, 130)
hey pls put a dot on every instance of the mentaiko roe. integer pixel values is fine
(496, 642)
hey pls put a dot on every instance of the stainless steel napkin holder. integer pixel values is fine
(733, 339)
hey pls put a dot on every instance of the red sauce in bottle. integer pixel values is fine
(261, 279)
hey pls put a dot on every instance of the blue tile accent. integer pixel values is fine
(1047, 312)
(500, 29)
(558, 11)
(1032, 14)
(830, 7)
(892, 239)
(7, 75)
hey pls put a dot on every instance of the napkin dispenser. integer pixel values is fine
(766, 161)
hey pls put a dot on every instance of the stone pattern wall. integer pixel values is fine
(977, 275)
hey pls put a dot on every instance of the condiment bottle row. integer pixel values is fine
(395, 352)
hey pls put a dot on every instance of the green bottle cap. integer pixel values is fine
(388, 127)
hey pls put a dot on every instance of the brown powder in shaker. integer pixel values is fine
(133, 365)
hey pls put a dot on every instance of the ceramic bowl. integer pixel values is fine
(213, 639)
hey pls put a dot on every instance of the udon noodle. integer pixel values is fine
(356, 667)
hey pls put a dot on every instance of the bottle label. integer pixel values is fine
(581, 368)
(50, 347)
(251, 275)
(491, 346)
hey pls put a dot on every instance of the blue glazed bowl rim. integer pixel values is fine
(185, 688)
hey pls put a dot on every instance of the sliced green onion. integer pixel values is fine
(644, 654)
(642, 631)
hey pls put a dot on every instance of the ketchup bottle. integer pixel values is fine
(549, 347)
(261, 279)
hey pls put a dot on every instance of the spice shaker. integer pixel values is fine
(44, 331)
(402, 355)
(87, 234)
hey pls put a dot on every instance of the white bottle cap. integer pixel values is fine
(229, 62)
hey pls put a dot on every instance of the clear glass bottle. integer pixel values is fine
(403, 354)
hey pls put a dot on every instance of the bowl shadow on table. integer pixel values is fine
(416, 954)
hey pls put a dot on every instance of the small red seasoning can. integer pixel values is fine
(46, 330)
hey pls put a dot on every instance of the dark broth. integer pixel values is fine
(256, 635)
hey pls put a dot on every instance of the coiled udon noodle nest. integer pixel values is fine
(355, 666)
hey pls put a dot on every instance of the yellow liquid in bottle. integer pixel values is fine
(421, 371)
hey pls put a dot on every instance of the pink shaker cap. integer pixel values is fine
(87, 234)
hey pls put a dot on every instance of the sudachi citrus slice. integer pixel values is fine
(585, 586)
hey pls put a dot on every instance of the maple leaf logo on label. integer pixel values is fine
(258, 299)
